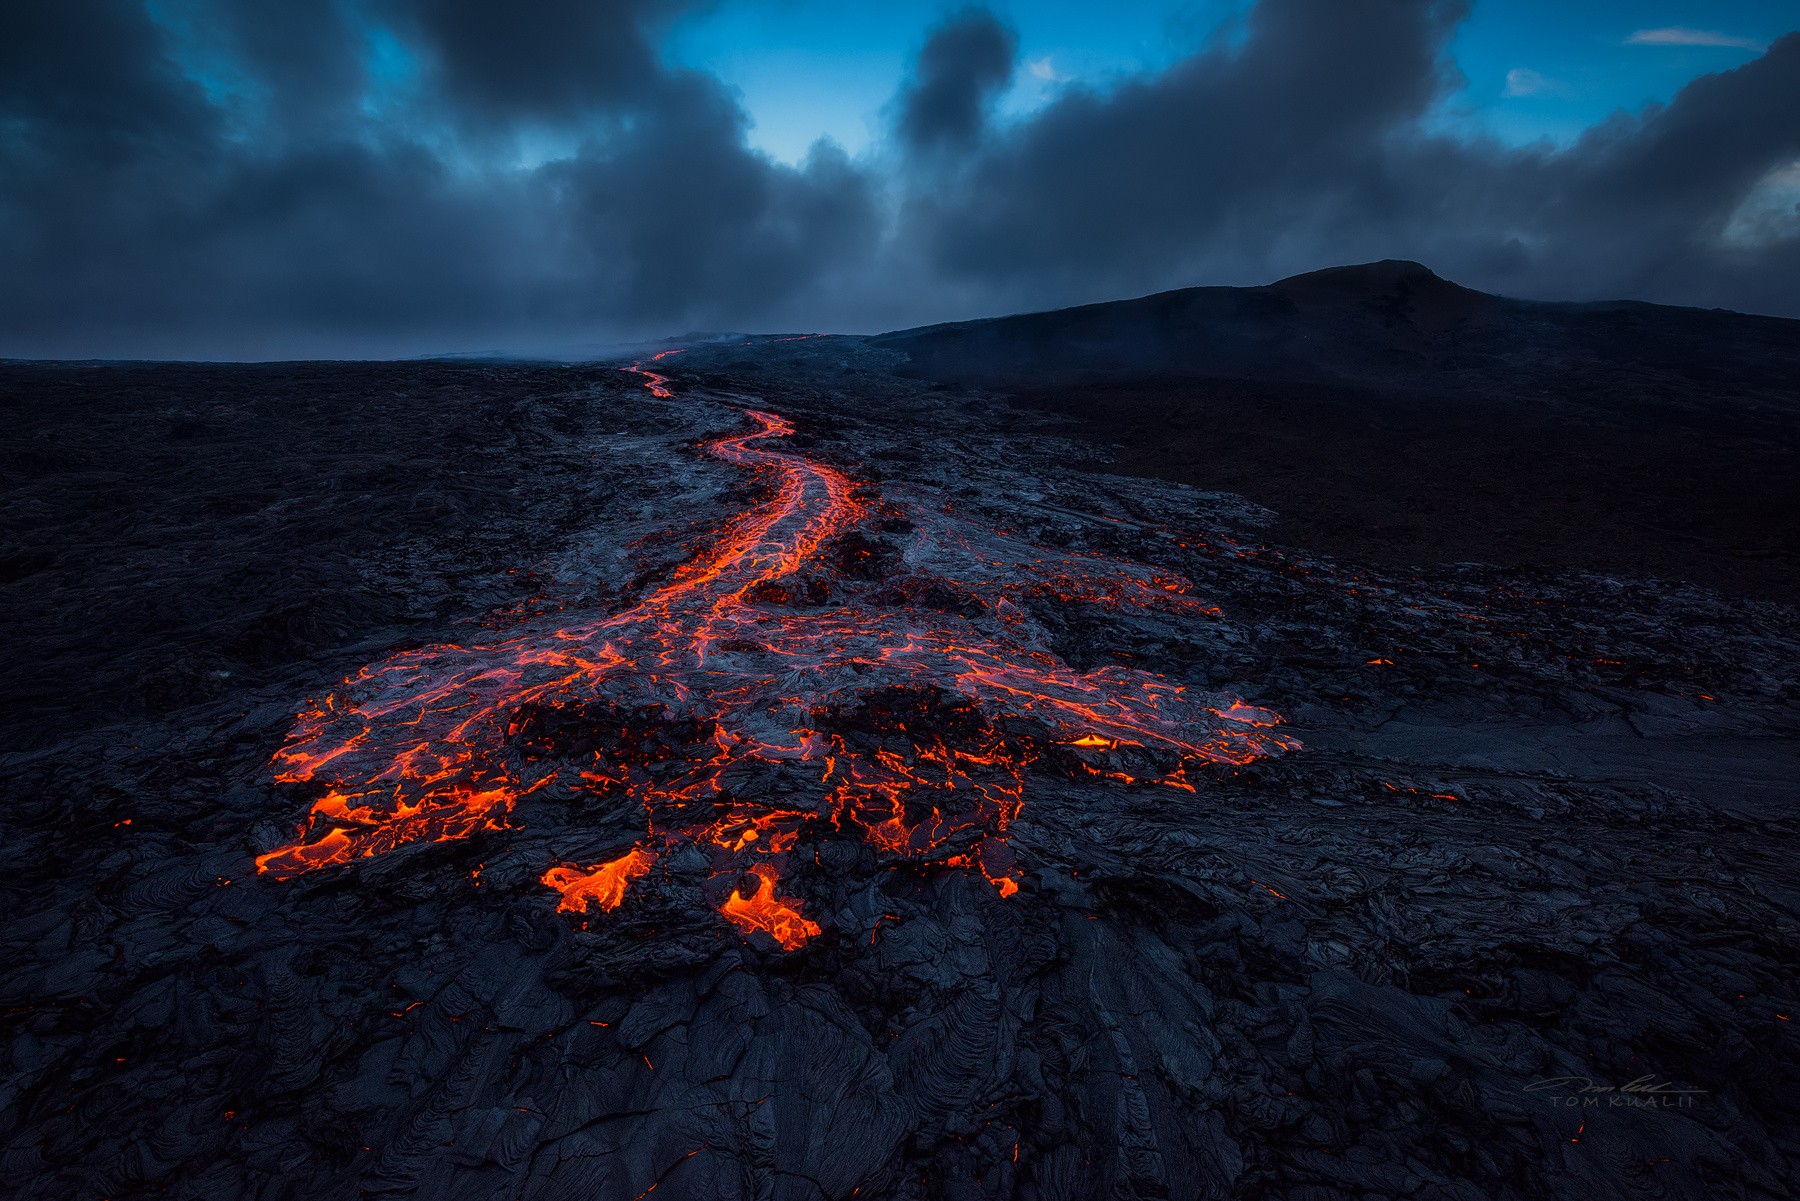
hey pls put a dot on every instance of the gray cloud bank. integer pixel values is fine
(374, 177)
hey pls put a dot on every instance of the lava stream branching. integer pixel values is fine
(912, 726)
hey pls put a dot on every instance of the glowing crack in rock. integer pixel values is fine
(908, 699)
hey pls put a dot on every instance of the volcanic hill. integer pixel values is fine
(1395, 417)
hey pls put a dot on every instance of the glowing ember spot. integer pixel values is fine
(603, 885)
(907, 712)
(778, 917)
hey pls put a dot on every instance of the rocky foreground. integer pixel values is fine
(1502, 906)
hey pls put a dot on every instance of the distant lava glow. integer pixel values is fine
(784, 684)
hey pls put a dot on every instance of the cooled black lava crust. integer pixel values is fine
(1538, 839)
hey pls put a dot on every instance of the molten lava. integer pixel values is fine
(603, 885)
(901, 701)
(775, 916)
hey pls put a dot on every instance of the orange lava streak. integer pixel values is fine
(292, 860)
(603, 885)
(890, 715)
(657, 384)
(775, 916)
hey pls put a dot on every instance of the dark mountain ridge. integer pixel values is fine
(1391, 415)
(1393, 324)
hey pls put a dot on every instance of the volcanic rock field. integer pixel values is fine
(759, 769)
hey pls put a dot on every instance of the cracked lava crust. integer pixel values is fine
(781, 644)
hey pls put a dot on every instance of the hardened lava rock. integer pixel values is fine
(893, 808)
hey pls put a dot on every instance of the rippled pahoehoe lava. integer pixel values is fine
(903, 699)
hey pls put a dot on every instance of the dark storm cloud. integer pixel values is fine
(1645, 203)
(552, 60)
(966, 63)
(223, 177)
(248, 204)
(88, 73)
(1306, 143)
(682, 219)
(1117, 187)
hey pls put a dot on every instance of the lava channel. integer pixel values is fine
(773, 653)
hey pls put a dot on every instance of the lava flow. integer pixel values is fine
(800, 675)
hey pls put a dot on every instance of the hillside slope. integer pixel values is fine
(1393, 416)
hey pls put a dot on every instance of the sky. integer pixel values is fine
(1534, 68)
(376, 178)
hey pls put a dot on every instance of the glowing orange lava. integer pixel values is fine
(909, 722)
(775, 916)
(603, 885)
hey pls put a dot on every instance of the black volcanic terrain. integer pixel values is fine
(1391, 416)
(1328, 742)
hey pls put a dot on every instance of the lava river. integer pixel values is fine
(785, 682)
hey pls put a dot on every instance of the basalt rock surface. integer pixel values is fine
(1503, 906)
